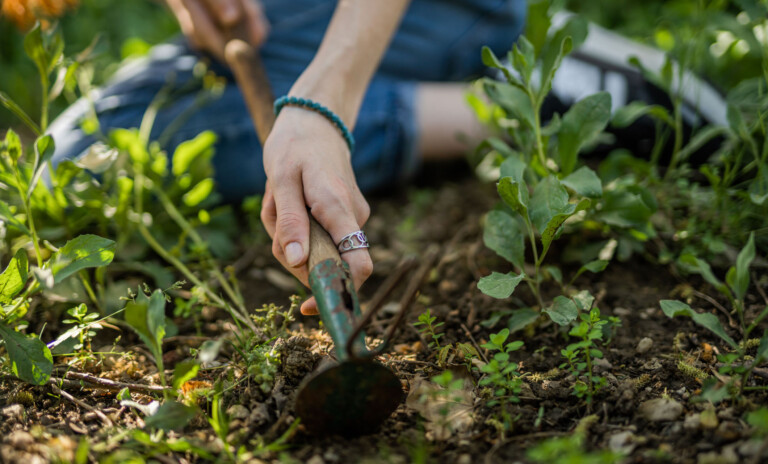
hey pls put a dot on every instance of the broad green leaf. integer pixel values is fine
(548, 200)
(504, 235)
(740, 282)
(623, 208)
(184, 372)
(171, 415)
(513, 167)
(554, 226)
(82, 252)
(14, 277)
(673, 308)
(499, 285)
(187, 152)
(31, 360)
(146, 316)
(584, 300)
(583, 122)
(563, 311)
(584, 182)
(514, 194)
(515, 102)
(522, 318)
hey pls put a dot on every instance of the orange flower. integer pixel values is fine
(24, 13)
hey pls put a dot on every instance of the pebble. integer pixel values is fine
(20, 439)
(238, 411)
(13, 412)
(602, 365)
(692, 421)
(622, 442)
(644, 345)
(464, 459)
(660, 409)
(728, 431)
(316, 459)
(651, 365)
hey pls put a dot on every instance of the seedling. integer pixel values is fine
(85, 327)
(579, 356)
(429, 328)
(502, 376)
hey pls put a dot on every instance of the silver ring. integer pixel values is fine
(352, 241)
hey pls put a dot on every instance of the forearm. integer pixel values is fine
(358, 35)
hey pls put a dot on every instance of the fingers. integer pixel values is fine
(309, 307)
(226, 13)
(291, 220)
(268, 211)
(258, 27)
(196, 23)
(342, 212)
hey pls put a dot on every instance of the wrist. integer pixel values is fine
(332, 88)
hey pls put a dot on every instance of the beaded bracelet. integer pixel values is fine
(314, 106)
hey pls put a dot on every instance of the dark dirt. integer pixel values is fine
(38, 426)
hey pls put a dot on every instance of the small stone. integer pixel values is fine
(47, 419)
(728, 431)
(601, 365)
(238, 411)
(644, 345)
(20, 439)
(651, 365)
(692, 421)
(622, 442)
(464, 459)
(621, 312)
(660, 409)
(331, 456)
(14, 412)
(316, 459)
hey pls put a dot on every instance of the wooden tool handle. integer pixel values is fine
(249, 73)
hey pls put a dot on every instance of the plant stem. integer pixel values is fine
(532, 238)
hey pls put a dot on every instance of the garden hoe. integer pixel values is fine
(354, 396)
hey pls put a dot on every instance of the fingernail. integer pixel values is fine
(294, 253)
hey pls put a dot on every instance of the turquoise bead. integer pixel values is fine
(315, 106)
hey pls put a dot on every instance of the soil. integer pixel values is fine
(640, 365)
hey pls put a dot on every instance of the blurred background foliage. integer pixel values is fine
(713, 37)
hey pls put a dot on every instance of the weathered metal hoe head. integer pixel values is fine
(355, 396)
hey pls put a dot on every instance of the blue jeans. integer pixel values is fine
(438, 40)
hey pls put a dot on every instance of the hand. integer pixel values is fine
(206, 23)
(308, 165)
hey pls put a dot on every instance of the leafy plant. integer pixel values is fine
(570, 449)
(579, 356)
(737, 281)
(429, 328)
(85, 327)
(540, 185)
(146, 316)
(502, 376)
